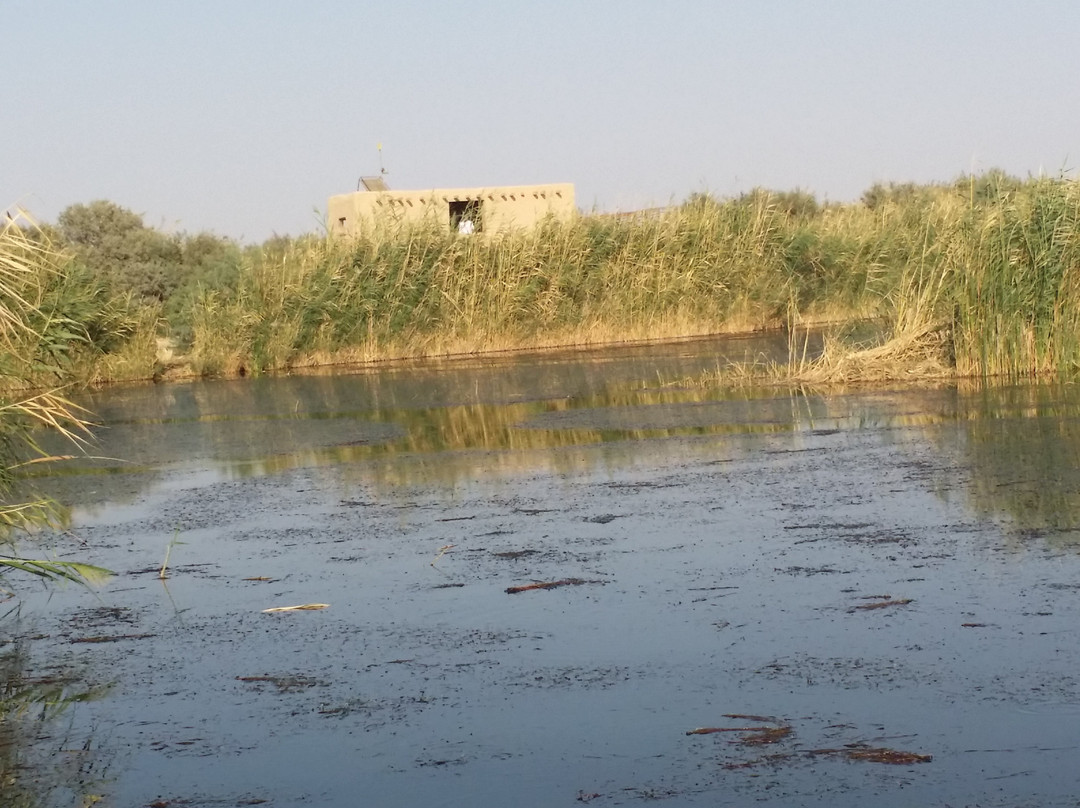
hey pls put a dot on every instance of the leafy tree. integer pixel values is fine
(115, 249)
(114, 245)
(210, 263)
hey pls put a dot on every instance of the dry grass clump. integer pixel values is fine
(918, 354)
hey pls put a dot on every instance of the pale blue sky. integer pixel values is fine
(243, 117)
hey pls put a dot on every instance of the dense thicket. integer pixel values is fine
(123, 257)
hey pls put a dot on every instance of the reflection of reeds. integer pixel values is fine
(29, 708)
(1024, 450)
(455, 444)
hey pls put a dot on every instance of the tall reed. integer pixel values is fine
(1016, 263)
(981, 274)
(34, 341)
(704, 267)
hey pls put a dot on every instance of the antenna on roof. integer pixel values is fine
(375, 183)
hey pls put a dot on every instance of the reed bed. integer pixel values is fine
(705, 267)
(975, 278)
(980, 288)
(1017, 284)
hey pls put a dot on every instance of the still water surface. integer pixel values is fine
(833, 579)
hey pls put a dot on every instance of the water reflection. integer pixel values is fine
(42, 761)
(262, 426)
(444, 423)
(742, 580)
(1023, 447)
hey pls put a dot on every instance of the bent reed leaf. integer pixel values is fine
(307, 607)
(76, 572)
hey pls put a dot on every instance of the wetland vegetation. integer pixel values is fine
(37, 342)
(976, 278)
(972, 278)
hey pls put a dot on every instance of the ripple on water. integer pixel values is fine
(1050, 707)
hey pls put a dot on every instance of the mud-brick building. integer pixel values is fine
(464, 210)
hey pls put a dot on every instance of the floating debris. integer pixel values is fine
(874, 754)
(513, 555)
(765, 736)
(307, 607)
(442, 552)
(808, 571)
(114, 638)
(259, 578)
(284, 684)
(513, 590)
(764, 719)
(883, 755)
(758, 735)
(602, 519)
(884, 604)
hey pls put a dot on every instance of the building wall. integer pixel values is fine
(499, 208)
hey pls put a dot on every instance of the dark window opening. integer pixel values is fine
(465, 216)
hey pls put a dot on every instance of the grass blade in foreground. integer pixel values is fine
(79, 573)
(28, 262)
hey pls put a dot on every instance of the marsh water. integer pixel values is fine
(564, 579)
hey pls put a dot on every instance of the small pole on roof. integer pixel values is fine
(374, 183)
